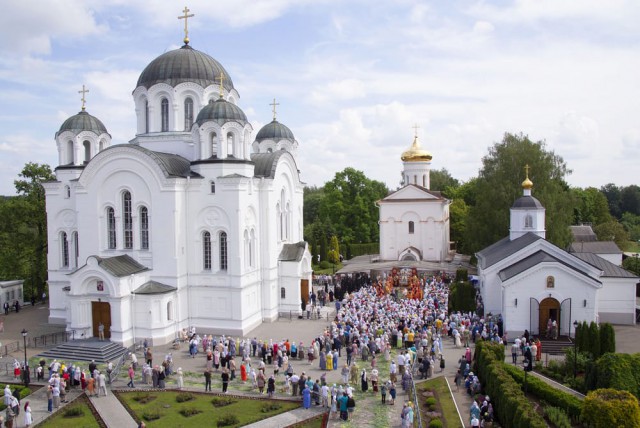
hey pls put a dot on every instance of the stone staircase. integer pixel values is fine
(556, 347)
(86, 350)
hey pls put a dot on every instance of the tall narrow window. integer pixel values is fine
(424, 181)
(111, 228)
(146, 116)
(213, 187)
(213, 141)
(164, 115)
(279, 224)
(127, 221)
(229, 144)
(87, 151)
(528, 221)
(206, 250)
(188, 114)
(170, 310)
(223, 251)
(76, 249)
(67, 192)
(411, 227)
(283, 293)
(65, 249)
(144, 228)
(70, 157)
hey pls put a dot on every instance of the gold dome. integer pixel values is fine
(527, 184)
(416, 153)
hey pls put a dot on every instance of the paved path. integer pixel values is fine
(112, 411)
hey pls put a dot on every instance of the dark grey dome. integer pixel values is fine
(83, 121)
(221, 111)
(274, 131)
(527, 202)
(184, 65)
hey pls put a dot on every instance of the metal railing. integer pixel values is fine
(41, 341)
(313, 315)
(414, 394)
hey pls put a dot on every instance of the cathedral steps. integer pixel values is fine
(556, 347)
(86, 350)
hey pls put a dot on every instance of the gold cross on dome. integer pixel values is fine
(415, 128)
(186, 17)
(526, 170)
(83, 91)
(273, 109)
(221, 78)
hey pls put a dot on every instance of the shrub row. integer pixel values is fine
(616, 371)
(569, 403)
(511, 406)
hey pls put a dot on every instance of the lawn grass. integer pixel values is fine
(59, 420)
(168, 409)
(447, 406)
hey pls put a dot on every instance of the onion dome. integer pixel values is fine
(221, 111)
(83, 121)
(184, 65)
(416, 153)
(274, 131)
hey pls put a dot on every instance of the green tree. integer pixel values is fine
(499, 185)
(631, 223)
(458, 215)
(591, 206)
(441, 180)
(632, 264)
(607, 339)
(349, 204)
(334, 250)
(612, 193)
(312, 200)
(26, 230)
(630, 199)
(594, 340)
(612, 231)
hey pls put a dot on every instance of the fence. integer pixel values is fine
(414, 393)
(311, 315)
(41, 341)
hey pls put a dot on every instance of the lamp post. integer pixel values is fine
(575, 349)
(26, 363)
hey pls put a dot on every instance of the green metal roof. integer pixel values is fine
(83, 121)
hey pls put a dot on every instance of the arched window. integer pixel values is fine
(170, 310)
(279, 220)
(76, 249)
(87, 151)
(283, 293)
(188, 114)
(70, 157)
(65, 249)
(424, 181)
(67, 192)
(528, 221)
(229, 144)
(411, 227)
(213, 187)
(252, 248)
(206, 251)
(269, 150)
(111, 228)
(223, 250)
(101, 145)
(144, 228)
(287, 221)
(247, 249)
(164, 115)
(146, 116)
(415, 179)
(213, 143)
(127, 220)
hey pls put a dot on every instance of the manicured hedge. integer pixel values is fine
(618, 371)
(511, 407)
(568, 402)
(608, 408)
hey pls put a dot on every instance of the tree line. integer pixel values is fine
(479, 212)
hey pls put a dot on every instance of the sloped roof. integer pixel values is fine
(596, 247)
(610, 270)
(533, 260)
(266, 163)
(583, 233)
(170, 164)
(292, 252)
(120, 266)
(414, 192)
(154, 287)
(504, 248)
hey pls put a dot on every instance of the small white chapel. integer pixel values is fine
(530, 281)
(197, 221)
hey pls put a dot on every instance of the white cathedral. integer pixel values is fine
(197, 221)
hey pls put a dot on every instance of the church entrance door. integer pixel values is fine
(304, 290)
(101, 312)
(549, 310)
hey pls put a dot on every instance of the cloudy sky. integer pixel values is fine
(351, 76)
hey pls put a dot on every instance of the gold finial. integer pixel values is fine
(273, 108)
(415, 129)
(83, 91)
(186, 17)
(527, 184)
(221, 78)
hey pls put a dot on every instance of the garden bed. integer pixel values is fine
(435, 402)
(198, 409)
(80, 413)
